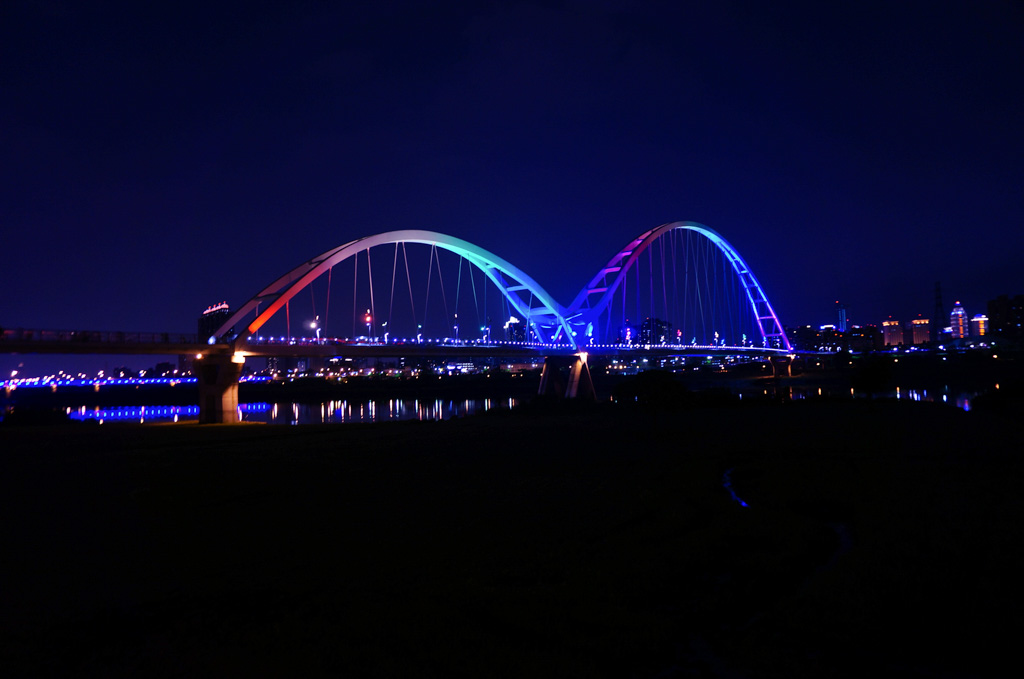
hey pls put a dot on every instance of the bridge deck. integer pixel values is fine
(22, 341)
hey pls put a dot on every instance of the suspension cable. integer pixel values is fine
(355, 286)
(529, 316)
(686, 283)
(444, 298)
(476, 302)
(327, 310)
(625, 296)
(408, 278)
(394, 268)
(650, 279)
(675, 284)
(373, 310)
(430, 274)
(664, 290)
(639, 308)
(458, 287)
(312, 298)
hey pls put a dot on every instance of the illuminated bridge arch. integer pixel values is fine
(598, 294)
(530, 300)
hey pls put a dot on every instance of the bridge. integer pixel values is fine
(674, 290)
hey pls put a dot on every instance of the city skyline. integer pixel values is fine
(156, 162)
(891, 334)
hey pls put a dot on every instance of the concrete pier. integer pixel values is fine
(578, 383)
(217, 375)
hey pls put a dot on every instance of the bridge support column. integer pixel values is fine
(579, 385)
(550, 379)
(217, 375)
(779, 363)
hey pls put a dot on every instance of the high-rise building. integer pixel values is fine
(892, 333)
(840, 316)
(958, 322)
(979, 325)
(863, 338)
(920, 331)
(1006, 316)
(827, 338)
(803, 337)
(211, 320)
(515, 330)
(655, 331)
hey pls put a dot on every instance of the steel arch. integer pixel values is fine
(509, 279)
(597, 294)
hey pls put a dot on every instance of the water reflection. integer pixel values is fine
(146, 413)
(370, 410)
(962, 400)
(341, 411)
(303, 413)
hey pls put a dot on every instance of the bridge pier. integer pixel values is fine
(579, 383)
(779, 363)
(217, 376)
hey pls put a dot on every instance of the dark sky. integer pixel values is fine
(158, 157)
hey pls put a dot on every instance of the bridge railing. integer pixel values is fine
(401, 341)
(96, 337)
(453, 343)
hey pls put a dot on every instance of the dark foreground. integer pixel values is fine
(880, 539)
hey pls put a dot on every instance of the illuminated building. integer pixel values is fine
(864, 338)
(830, 339)
(958, 322)
(892, 333)
(655, 331)
(515, 330)
(827, 338)
(920, 329)
(805, 337)
(979, 325)
(281, 364)
(841, 313)
(212, 319)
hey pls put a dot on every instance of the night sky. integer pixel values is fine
(155, 160)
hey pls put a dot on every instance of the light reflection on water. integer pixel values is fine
(961, 400)
(442, 409)
(303, 413)
(395, 409)
(134, 413)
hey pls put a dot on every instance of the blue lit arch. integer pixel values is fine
(595, 297)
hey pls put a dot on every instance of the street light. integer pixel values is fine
(314, 325)
(368, 320)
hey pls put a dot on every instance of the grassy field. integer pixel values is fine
(878, 538)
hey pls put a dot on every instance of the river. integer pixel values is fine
(339, 411)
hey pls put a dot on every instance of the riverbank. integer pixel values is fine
(298, 390)
(878, 537)
(828, 375)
